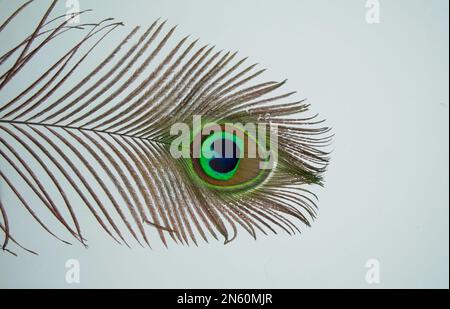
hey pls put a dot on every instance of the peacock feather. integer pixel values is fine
(190, 149)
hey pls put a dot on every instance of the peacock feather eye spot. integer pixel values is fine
(225, 161)
(220, 155)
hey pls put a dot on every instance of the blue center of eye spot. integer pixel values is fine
(229, 157)
(223, 165)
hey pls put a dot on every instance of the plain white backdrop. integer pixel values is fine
(384, 90)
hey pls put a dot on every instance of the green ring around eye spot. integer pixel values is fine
(207, 154)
